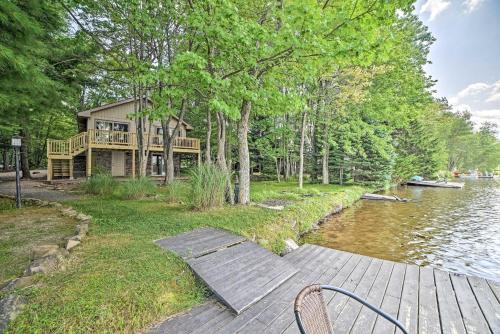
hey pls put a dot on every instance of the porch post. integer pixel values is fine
(133, 164)
(71, 169)
(89, 162)
(49, 169)
(199, 158)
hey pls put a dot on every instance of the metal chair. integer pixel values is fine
(311, 312)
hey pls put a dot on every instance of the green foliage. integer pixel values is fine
(138, 188)
(7, 204)
(207, 187)
(173, 191)
(101, 184)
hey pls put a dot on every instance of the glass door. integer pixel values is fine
(157, 164)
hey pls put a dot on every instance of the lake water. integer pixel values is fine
(454, 229)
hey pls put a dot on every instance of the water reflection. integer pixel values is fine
(455, 229)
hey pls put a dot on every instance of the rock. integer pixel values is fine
(43, 265)
(43, 203)
(70, 212)
(10, 306)
(72, 243)
(81, 230)
(271, 207)
(8, 285)
(290, 245)
(44, 250)
(24, 281)
(83, 217)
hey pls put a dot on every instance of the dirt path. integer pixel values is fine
(37, 189)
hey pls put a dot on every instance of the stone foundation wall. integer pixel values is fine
(101, 161)
(80, 166)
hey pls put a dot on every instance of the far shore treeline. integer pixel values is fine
(333, 90)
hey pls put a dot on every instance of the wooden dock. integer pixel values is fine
(424, 299)
(436, 184)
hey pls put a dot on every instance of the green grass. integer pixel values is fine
(118, 281)
(22, 229)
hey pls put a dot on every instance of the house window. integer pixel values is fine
(109, 125)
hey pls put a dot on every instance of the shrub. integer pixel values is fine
(173, 192)
(208, 185)
(101, 184)
(137, 188)
(7, 204)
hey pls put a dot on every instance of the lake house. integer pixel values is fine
(107, 142)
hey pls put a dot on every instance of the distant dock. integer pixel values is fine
(424, 299)
(435, 184)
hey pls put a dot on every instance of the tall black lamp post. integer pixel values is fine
(16, 144)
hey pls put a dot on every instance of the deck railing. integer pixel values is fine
(58, 147)
(179, 142)
(78, 142)
(114, 139)
(107, 137)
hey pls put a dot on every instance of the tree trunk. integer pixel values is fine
(208, 158)
(326, 154)
(221, 155)
(5, 155)
(25, 166)
(301, 151)
(168, 142)
(341, 174)
(244, 154)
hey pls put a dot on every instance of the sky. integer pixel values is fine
(466, 54)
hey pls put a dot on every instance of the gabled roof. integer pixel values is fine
(86, 113)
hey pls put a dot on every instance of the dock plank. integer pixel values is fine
(473, 318)
(199, 242)
(487, 302)
(451, 318)
(428, 312)
(366, 317)
(286, 321)
(241, 286)
(347, 317)
(408, 308)
(392, 299)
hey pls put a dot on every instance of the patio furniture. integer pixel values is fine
(311, 310)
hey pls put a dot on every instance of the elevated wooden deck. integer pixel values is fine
(116, 140)
(60, 153)
(424, 299)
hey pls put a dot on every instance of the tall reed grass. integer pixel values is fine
(137, 188)
(173, 192)
(208, 185)
(101, 184)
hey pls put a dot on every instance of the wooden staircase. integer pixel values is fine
(67, 148)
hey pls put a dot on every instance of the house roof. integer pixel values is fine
(86, 113)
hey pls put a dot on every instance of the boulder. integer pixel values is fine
(43, 265)
(290, 245)
(44, 250)
(83, 217)
(81, 230)
(72, 243)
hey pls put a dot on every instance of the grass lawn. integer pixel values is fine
(119, 281)
(22, 229)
